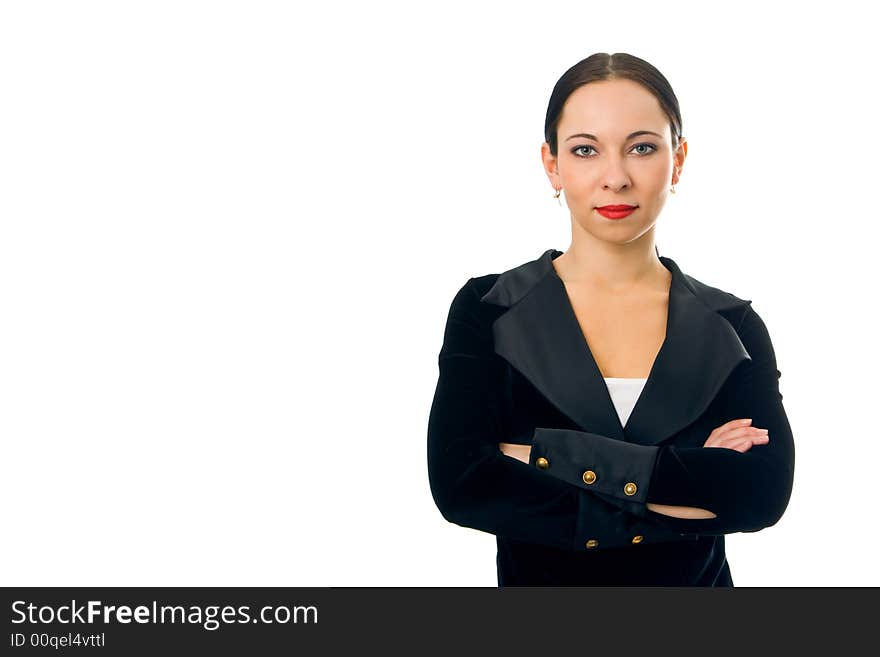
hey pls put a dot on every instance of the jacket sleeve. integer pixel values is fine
(747, 491)
(476, 485)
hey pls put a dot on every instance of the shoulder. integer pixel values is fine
(740, 314)
(482, 284)
(469, 322)
(732, 307)
(467, 300)
(736, 309)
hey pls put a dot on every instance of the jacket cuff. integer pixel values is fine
(601, 525)
(609, 467)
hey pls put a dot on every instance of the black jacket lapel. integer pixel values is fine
(540, 336)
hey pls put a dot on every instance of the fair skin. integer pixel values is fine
(617, 286)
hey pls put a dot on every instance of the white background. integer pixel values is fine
(230, 233)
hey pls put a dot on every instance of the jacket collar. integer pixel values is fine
(540, 336)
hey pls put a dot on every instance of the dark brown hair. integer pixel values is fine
(602, 66)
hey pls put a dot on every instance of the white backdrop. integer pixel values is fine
(230, 233)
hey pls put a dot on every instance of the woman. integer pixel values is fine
(608, 417)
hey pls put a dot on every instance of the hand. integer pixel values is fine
(687, 512)
(520, 452)
(738, 435)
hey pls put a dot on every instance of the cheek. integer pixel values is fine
(656, 171)
(584, 181)
(663, 171)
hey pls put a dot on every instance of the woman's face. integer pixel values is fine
(612, 167)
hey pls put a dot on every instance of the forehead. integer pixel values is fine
(610, 108)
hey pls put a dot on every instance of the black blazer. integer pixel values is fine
(515, 367)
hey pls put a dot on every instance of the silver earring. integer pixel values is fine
(672, 189)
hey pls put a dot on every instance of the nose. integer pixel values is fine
(615, 176)
(615, 184)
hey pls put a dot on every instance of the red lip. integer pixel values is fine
(612, 211)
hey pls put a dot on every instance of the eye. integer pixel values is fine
(651, 146)
(577, 148)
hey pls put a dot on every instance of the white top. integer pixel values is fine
(624, 393)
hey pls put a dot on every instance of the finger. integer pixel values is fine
(747, 442)
(720, 432)
(744, 432)
(742, 445)
(733, 424)
(739, 446)
(721, 438)
(732, 442)
(731, 430)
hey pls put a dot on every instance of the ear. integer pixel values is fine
(678, 159)
(551, 168)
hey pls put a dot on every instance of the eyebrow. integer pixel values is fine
(629, 136)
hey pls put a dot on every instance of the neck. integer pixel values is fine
(612, 267)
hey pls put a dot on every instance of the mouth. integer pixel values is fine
(616, 211)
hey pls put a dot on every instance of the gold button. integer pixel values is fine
(589, 477)
(630, 489)
(637, 539)
(592, 543)
(542, 463)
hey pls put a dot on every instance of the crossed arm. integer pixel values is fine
(522, 453)
(736, 434)
(694, 490)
